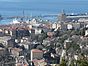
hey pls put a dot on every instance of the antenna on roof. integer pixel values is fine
(22, 15)
(63, 12)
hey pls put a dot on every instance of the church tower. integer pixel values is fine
(62, 16)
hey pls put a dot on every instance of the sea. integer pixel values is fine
(40, 7)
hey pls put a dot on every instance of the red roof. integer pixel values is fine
(36, 50)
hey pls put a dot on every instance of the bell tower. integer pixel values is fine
(62, 16)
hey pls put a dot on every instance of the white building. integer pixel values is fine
(38, 31)
(54, 25)
(21, 61)
(4, 40)
(35, 31)
(63, 54)
(6, 32)
(67, 43)
(76, 26)
(33, 21)
(83, 20)
(15, 21)
(69, 26)
(30, 26)
(25, 43)
(86, 32)
(76, 57)
(16, 51)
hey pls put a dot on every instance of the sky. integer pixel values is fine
(45, 5)
(47, 1)
(66, 2)
(39, 0)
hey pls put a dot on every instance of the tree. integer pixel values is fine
(72, 63)
(82, 31)
(83, 61)
(40, 47)
(41, 37)
(63, 63)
